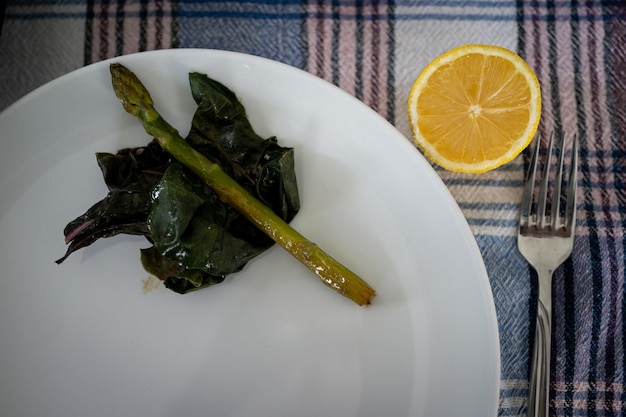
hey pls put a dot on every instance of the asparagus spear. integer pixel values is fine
(137, 101)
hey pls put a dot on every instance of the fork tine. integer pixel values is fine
(543, 191)
(556, 194)
(527, 198)
(572, 186)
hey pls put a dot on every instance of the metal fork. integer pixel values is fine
(545, 239)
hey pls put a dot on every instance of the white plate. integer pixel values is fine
(87, 339)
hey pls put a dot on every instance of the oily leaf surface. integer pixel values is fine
(197, 239)
(191, 226)
(130, 175)
(188, 224)
(222, 132)
(174, 276)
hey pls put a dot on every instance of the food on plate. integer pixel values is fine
(208, 203)
(474, 108)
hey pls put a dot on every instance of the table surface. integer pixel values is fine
(374, 51)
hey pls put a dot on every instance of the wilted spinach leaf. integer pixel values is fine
(130, 175)
(190, 225)
(197, 238)
(221, 131)
(169, 272)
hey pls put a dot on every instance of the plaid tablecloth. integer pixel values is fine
(374, 50)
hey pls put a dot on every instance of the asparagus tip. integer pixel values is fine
(128, 88)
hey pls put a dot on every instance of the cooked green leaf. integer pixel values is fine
(221, 132)
(191, 226)
(176, 277)
(197, 238)
(130, 175)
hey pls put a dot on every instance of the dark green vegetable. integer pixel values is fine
(130, 176)
(223, 196)
(188, 223)
(221, 132)
(197, 238)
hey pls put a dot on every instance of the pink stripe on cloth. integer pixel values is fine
(347, 59)
(600, 403)
(353, 55)
(535, 53)
(592, 68)
(319, 62)
(376, 45)
(100, 41)
(143, 27)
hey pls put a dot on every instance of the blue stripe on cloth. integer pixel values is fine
(494, 222)
(497, 183)
(45, 15)
(469, 205)
(511, 286)
(199, 11)
(272, 30)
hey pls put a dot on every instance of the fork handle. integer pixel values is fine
(539, 395)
